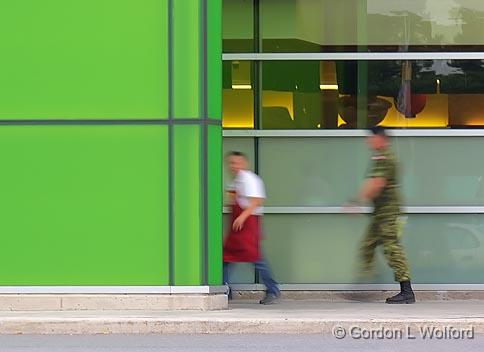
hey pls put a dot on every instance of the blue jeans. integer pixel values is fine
(264, 273)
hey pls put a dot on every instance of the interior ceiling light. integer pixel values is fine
(241, 86)
(328, 86)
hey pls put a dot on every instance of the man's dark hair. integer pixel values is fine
(378, 131)
(236, 153)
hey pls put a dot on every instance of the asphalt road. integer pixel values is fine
(224, 343)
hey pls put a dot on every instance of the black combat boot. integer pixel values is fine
(406, 295)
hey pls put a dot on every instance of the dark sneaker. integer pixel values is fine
(269, 298)
(228, 292)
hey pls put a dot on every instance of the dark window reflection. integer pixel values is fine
(237, 95)
(359, 94)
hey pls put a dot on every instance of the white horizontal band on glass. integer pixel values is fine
(355, 133)
(367, 210)
(356, 56)
(361, 287)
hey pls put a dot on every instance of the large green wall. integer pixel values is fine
(110, 142)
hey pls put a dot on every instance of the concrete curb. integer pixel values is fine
(287, 317)
(75, 326)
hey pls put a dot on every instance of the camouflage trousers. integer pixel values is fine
(385, 231)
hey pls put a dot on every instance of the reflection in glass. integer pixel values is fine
(361, 94)
(238, 26)
(237, 95)
(374, 25)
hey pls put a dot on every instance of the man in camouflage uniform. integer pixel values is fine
(381, 188)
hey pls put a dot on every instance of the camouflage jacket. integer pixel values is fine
(384, 164)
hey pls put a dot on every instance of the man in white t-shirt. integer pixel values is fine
(242, 243)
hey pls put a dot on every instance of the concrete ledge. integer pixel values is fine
(365, 296)
(67, 302)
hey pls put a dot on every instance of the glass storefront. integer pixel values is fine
(356, 94)
(352, 25)
(412, 66)
(322, 248)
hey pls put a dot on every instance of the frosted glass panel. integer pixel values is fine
(311, 171)
(244, 145)
(242, 273)
(327, 171)
(324, 248)
(310, 249)
(442, 171)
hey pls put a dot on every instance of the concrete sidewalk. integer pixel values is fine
(294, 317)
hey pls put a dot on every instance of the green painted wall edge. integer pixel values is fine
(123, 83)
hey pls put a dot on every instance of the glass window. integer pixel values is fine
(374, 25)
(360, 94)
(311, 171)
(237, 95)
(238, 26)
(327, 171)
(323, 248)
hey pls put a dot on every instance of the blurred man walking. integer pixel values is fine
(242, 243)
(382, 189)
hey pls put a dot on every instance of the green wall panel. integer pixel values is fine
(84, 59)
(214, 205)
(89, 204)
(214, 58)
(187, 55)
(84, 205)
(214, 150)
(187, 206)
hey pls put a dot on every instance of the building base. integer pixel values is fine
(361, 296)
(112, 298)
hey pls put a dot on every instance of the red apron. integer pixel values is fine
(243, 245)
